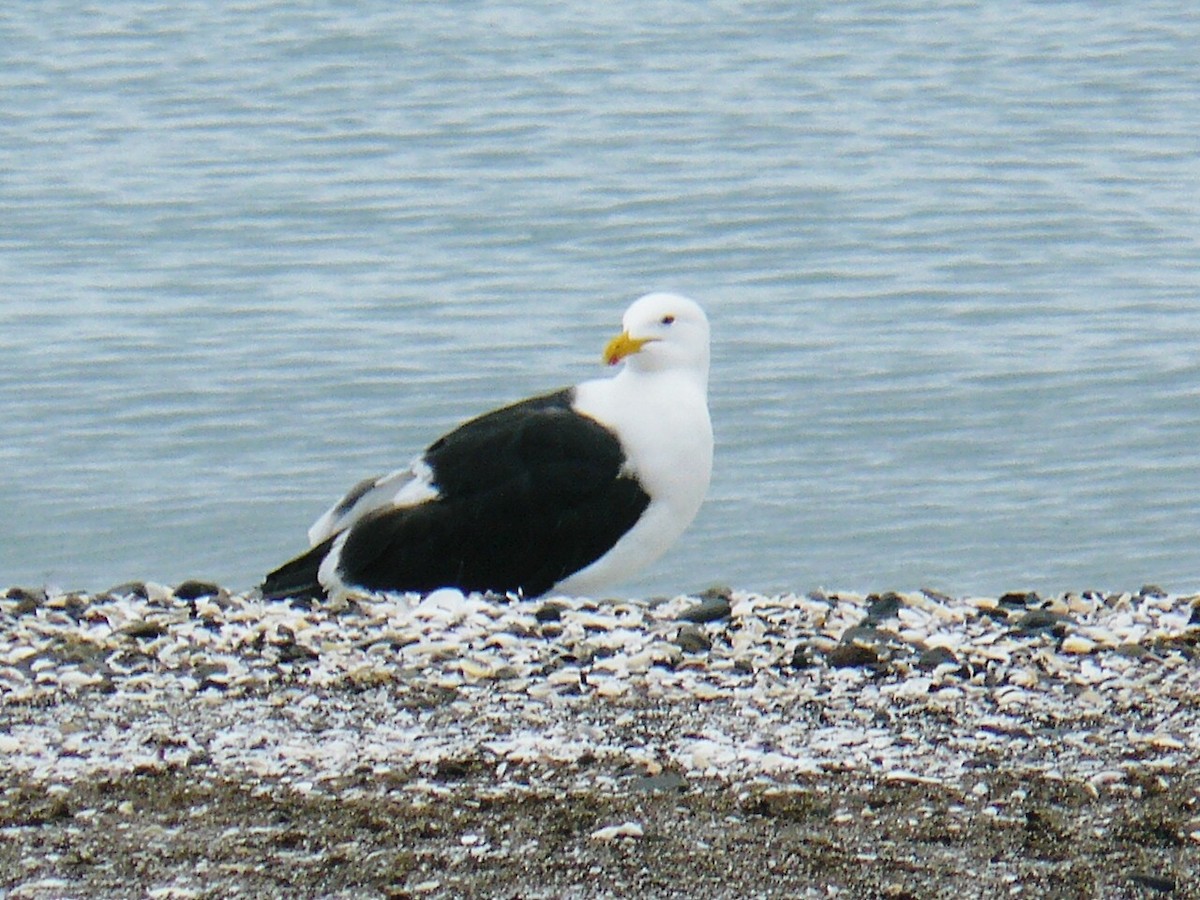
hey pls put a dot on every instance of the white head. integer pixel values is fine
(662, 331)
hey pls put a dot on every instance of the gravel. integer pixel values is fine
(193, 742)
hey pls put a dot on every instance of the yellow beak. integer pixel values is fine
(622, 346)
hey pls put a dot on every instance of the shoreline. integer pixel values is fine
(456, 746)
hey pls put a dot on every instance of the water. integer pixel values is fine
(250, 253)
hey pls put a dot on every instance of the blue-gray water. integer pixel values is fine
(250, 253)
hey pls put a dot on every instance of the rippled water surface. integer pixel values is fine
(250, 253)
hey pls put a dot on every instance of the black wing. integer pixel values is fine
(528, 495)
(298, 577)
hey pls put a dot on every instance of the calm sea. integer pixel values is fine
(252, 252)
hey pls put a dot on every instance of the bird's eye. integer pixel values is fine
(667, 320)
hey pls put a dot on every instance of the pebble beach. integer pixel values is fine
(195, 742)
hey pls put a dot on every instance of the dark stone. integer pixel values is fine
(1132, 650)
(194, 590)
(1041, 619)
(800, 658)
(709, 609)
(1152, 590)
(455, 769)
(549, 612)
(1183, 644)
(1195, 619)
(129, 589)
(1019, 600)
(74, 605)
(144, 630)
(27, 601)
(664, 781)
(212, 675)
(20, 593)
(880, 607)
(865, 633)
(293, 652)
(692, 639)
(845, 656)
(1164, 884)
(936, 656)
(89, 657)
(880, 639)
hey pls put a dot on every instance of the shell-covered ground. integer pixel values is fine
(192, 742)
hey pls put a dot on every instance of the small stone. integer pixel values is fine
(883, 607)
(1019, 600)
(212, 675)
(72, 604)
(194, 590)
(549, 612)
(613, 832)
(936, 656)
(884, 642)
(27, 600)
(692, 639)
(1039, 619)
(1164, 884)
(709, 609)
(144, 630)
(1132, 650)
(1183, 644)
(845, 656)
(76, 678)
(664, 781)
(476, 670)
(293, 652)
(20, 593)
(1078, 645)
(800, 658)
(136, 589)
(1153, 591)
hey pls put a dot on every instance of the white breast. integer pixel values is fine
(663, 424)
